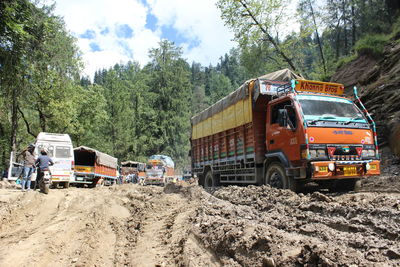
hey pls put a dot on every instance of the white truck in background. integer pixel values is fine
(59, 149)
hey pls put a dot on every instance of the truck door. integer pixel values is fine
(279, 138)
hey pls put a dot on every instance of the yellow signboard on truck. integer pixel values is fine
(319, 87)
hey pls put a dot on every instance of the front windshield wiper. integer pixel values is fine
(353, 119)
(322, 118)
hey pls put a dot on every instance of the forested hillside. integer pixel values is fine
(133, 111)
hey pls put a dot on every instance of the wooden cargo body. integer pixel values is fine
(233, 140)
(93, 167)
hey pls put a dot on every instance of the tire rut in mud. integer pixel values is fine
(256, 226)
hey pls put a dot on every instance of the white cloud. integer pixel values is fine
(198, 21)
(102, 59)
(205, 38)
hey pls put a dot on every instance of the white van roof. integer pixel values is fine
(53, 137)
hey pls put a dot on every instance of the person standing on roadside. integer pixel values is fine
(29, 167)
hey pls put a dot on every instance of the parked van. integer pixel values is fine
(59, 149)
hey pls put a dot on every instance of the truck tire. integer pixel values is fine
(275, 176)
(210, 180)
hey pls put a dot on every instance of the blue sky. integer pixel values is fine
(110, 32)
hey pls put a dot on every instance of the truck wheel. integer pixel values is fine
(276, 177)
(66, 185)
(210, 181)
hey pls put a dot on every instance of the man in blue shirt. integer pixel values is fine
(43, 162)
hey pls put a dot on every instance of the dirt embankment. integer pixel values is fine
(131, 225)
(378, 80)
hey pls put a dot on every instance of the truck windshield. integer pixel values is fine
(317, 108)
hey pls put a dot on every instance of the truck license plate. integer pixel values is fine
(350, 170)
(323, 169)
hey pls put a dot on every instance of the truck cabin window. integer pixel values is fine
(290, 110)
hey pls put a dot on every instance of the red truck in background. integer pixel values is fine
(93, 167)
(285, 131)
(133, 167)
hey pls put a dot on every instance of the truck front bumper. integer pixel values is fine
(344, 169)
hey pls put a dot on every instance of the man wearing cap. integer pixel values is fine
(29, 167)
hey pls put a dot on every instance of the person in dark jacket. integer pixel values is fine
(43, 162)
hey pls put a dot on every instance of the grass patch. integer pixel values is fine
(344, 60)
(396, 30)
(372, 45)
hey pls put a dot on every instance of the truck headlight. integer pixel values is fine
(367, 166)
(368, 153)
(318, 153)
(331, 166)
(321, 153)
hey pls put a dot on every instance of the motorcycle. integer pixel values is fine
(45, 181)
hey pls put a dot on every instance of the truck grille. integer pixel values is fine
(344, 152)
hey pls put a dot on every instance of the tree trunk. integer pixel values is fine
(353, 25)
(318, 39)
(3, 148)
(28, 128)
(344, 4)
(337, 40)
(269, 37)
(14, 120)
(42, 119)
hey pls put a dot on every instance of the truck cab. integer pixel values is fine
(159, 170)
(323, 137)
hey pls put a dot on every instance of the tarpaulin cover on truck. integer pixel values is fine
(165, 159)
(129, 162)
(236, 108)
(101, 158)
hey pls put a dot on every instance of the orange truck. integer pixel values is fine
(133, 167)
(93, 167)
(282, 130)
(160, 170)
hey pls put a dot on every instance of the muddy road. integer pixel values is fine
(179, 225)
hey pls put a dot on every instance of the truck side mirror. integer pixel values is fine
(282, 117)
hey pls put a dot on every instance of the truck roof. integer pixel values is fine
(280, 77)
(53, 137)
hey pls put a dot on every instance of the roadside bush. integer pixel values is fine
(396, 30)
(344, 60)
(372, 45)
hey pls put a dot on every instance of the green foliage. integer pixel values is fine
(396, 30)
(372, 45)
(344, 60)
